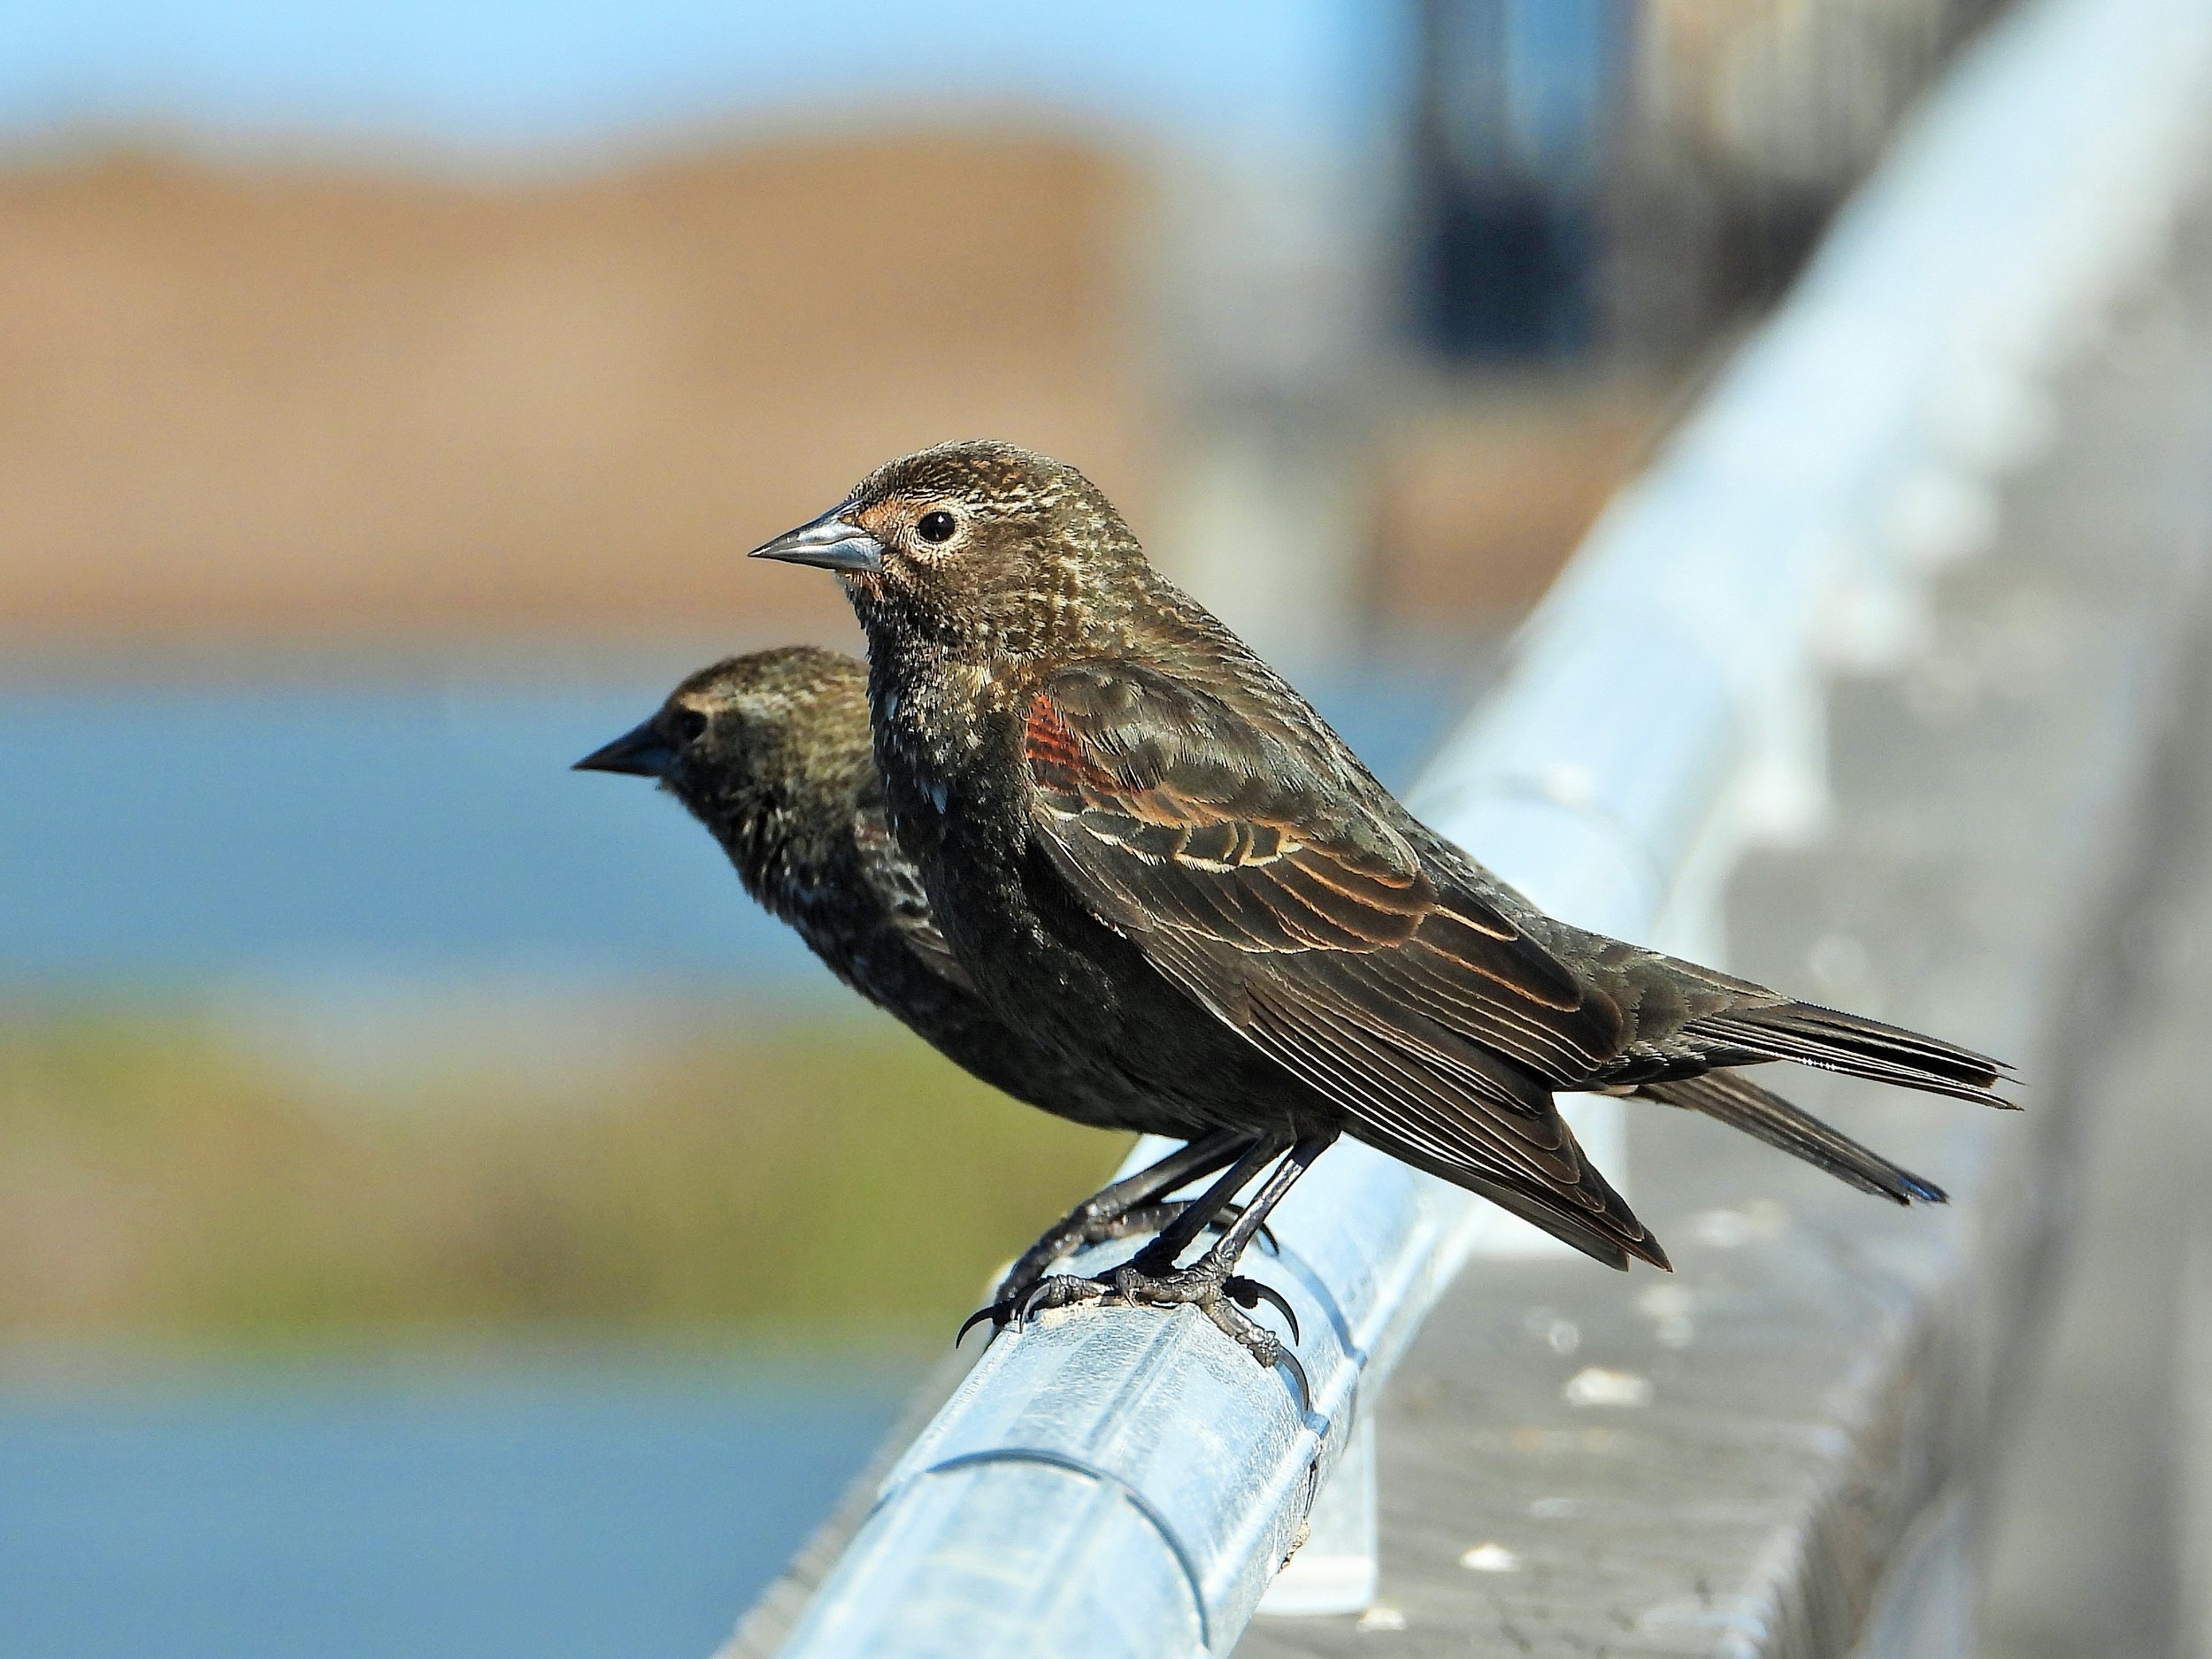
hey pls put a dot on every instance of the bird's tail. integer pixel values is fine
(1742, 1104)
(1837, 1041)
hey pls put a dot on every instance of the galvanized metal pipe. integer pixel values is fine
(1122, 1482)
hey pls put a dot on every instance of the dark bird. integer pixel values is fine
(771, 752)
(1154, 860)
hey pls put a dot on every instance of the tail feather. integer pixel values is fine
(1837, 1041)
(1742, 1104)
(1611, 1235)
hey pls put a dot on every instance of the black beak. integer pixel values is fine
(830, 542)
(640, 751)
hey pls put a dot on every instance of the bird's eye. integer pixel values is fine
(936, 526)
(691, 726)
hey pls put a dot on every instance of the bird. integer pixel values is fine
(771, 753)
(1159, 863)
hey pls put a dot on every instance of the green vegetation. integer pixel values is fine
(825, 1179)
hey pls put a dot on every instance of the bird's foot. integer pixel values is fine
(1084, 1226)
(1207, 1284)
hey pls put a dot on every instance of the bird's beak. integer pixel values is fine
(832, 542)
(640, 751)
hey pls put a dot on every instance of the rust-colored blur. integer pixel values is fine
(297, 405)
(1479, 501)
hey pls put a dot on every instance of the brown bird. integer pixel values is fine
(771, 753)
(1155, 861)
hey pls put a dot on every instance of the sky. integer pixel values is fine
(488, 80)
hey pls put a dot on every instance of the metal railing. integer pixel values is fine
(1124, 1482)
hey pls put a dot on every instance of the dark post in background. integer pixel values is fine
(1515, 107)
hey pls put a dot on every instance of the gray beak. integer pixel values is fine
(830, 542)
(641, 752)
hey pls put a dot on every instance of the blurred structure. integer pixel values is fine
(1598, 176)
(1749, 123)
(1598, 196)
(1265, 291)
(1512, 149)
(387, 398)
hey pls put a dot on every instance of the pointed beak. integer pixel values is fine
(832, 542)
(640, 751)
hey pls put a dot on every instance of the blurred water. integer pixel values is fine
(584, 1513)
(376, 832)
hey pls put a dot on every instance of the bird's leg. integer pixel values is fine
(1158, 1257)
(1156, 1218)
(1251, 1154)
(1117, 1210)
(1151, 1278)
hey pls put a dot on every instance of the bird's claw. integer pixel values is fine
(994, 1312)
(1264, 1346)
(1205, 1285)
(1015, 1311)
(1250, 1293)
(1060, 1291)
(1079, 1230)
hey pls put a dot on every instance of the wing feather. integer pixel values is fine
(1245, 864)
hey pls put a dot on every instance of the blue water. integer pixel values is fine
(178, 833)
(185, 834)
(535, 1515)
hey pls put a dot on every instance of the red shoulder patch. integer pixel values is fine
(1057, 755)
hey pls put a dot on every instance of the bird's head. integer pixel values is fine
(753, 733)
(978, 547)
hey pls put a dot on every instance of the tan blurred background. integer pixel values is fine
(270, 404)
(261, 400)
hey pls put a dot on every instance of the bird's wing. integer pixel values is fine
(1257, 870)
(897, 886)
